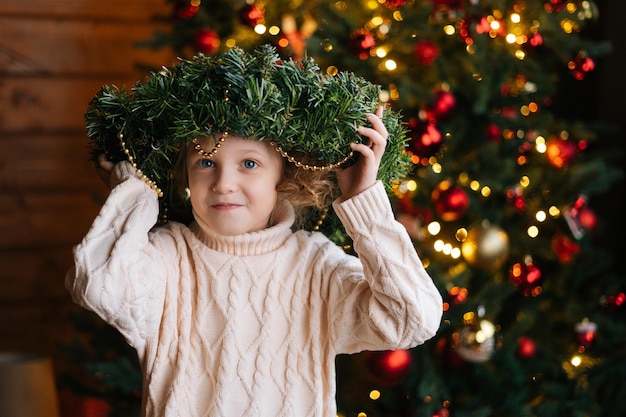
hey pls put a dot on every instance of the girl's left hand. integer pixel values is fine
(363, 173)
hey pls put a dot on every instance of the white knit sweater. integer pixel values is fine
(250, 325)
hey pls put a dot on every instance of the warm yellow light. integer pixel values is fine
(485, 191)
(524, 181)
(390, 65)
(541, 216)
(377, 21)
(576, 360)
(540, 144)
(260, 29)
(274, 30)
(515, 18)
(434, 228)
(381, 52)
(533, 231)
(487, 330)
(567, 26)
(374, 394)
(449, 30)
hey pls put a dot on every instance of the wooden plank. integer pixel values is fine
(44, 219)
(135, 10)
(55, 161)
(34, 275)
(39, 327)
(38, 104)
(52, 47)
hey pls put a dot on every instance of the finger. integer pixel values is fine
(104, 163)
(374, 137)
(377, 124)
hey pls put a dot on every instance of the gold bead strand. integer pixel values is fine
(319, 222)
(143, 176)
(307, 166)
(205, 154)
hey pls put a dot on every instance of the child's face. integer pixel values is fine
(234, 192)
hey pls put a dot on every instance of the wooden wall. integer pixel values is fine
(54, 56)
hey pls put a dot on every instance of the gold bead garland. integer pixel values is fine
(205, 154)
(307, 166)
(278, 149)
(143, 176)
(319, 222)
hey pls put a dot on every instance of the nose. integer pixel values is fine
(224, 181)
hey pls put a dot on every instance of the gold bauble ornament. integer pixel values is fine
(476, 341)
(486, 246)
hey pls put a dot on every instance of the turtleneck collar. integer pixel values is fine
(249, 244)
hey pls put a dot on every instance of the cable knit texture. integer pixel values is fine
(250, 325)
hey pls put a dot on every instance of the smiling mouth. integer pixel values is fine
(225, 206)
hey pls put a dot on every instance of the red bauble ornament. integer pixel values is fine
(560, 152)
(580, 218)
(526, 277)
(493, 133)
(425, 52)
(394, 4)
(443, 106)
(535, 40)
(206, 41)
(184, 10)
(554, 5)
(443, 412)
(425, 140)
(451, 201)
(251, 15)
(564, 248)
(389, 367)
(580, 66)
(361, 43)
(526, 347)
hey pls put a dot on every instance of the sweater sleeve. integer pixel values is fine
(114, 273)
(384, 299)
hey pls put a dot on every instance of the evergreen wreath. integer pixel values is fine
(252, 94)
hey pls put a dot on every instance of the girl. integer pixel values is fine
(235, 313)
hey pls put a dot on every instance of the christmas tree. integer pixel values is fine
(499, 202)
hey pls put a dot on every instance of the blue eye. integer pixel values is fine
(249, 164)
(205, 163)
